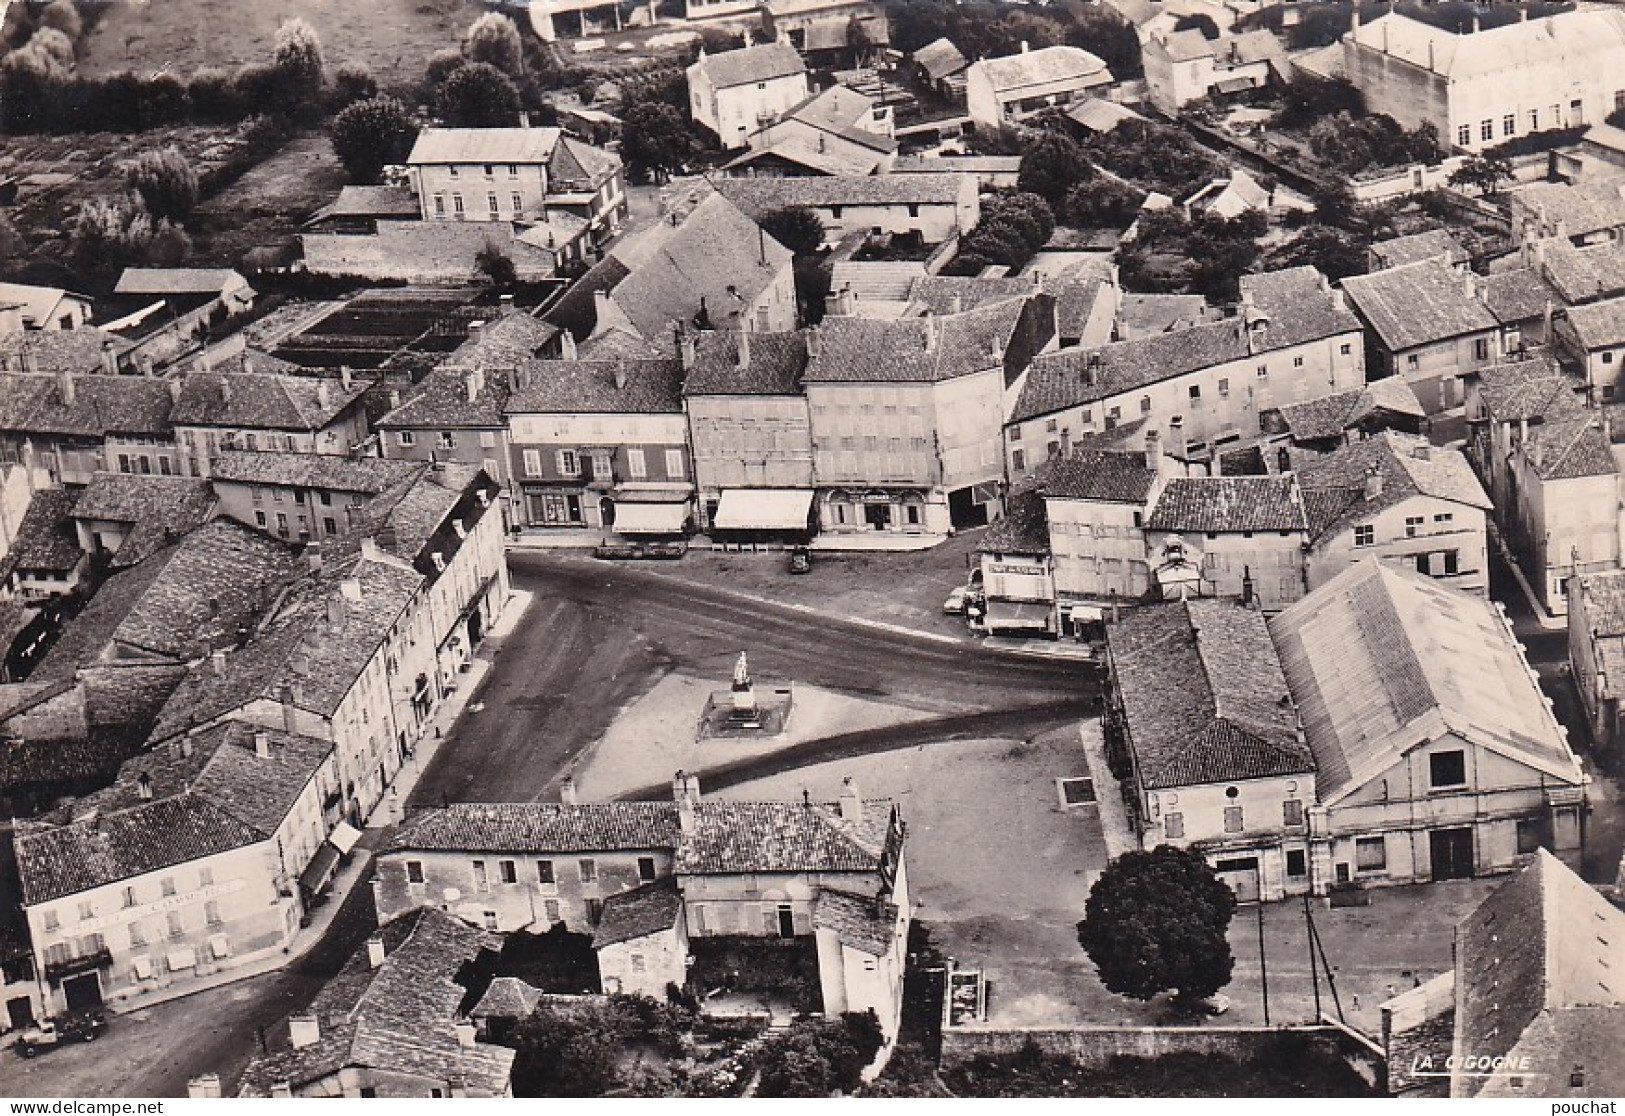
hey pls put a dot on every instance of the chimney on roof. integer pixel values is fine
(685, 790)
(473, 384)
(262, 744)
(394, 398)
(313, 556)
(603, 307)
(345, 378)
(109, 358)
(66, 388)
(335, 608)
(1091, 369)
(567, 346)
(375, 951)
(217, 660)
(1539, 452)
(569, 794)
(225, 389)
(143, 786)
(465, 1032)
(324, 395)
(1025, 47)
(930, 321)
(1153, 450)
(742, 353)
(476, 332)
(620, 375)
(955, 304)
(248, 366)
(175, 389)
(1373, 483)
(815, 343)
(1421, 452)
(685, 348)
(350, 589)
(505, 302)
(1430, 53)
(851, 802)
(524, 119)
(304, 1030)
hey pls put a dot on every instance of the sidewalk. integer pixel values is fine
(586, 538)
(1114, 824)
(1537, 611)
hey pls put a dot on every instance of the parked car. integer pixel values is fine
(958, 598)
(800, 560)
(51, 1033)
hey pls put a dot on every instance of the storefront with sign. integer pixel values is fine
(763, 515)
(898, 511)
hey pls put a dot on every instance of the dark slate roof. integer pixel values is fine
(157, 509)
(1605, 602)
(629, 915)
(442, 400)
(576, 308)
(46, 539)
(1298, 310)
(940, 59)
(370, 201)
(915, 350)
(101, 405)
(1113, 477)
(1022, 529)
(368, 475)
(154, 835)
(541, 827)
(589, 387)
(950, 294)
(763, 62)
(774, 365)
(507, 998)
(1226, 504)
(259, 401)
(1419, 304)
(1203, 695)
(861, 922)
(1402, 250)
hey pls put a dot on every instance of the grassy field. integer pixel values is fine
(269, 203)
(392, 37)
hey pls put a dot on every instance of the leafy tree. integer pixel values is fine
(371, 134)
(655, 140)
(257, 86)
(859, 42)
(164, 181)
(815, 1057)
(1051, 166)
(1102, 202)
(1336, 253)
(300, 69)
(164, 100)
(352, 82)
(496, 265)
(1484, 173)
(56, 44)
(11, 245)
(29, 80)
(494, 40)
(61, 15)
(1307, 98)
(574, 1051)
(478, 95)
(108, 236)
(796, 227)
(1198, 21)
(213, 96)
(1012, 229)
(442, 64)
(1156, 921)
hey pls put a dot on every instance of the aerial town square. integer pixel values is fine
(812, 548)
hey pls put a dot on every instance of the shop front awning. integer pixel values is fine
(344, 837)
(763, 509)
(319, 872)
(1024, 616)
(650, 519)
(1084, 614)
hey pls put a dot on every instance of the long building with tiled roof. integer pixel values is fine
(647, 877)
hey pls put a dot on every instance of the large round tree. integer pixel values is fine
(1156, 921)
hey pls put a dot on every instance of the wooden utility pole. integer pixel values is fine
(1263, 964)
(1309, 939)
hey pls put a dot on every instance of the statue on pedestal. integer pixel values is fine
(744, 690)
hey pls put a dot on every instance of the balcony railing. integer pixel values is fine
(84, 963)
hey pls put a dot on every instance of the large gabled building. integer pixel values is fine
(738, 92)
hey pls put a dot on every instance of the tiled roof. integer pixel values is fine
(1518, 295)
(68, 859)
(940, 59)
(442, 401)
(952, 294)
(1109, 476)
(507, 998)
(1381, 660)
(1331, 415)
(629, 915)
(368, 475)
(1582, 274)
(914, 350)
(1581, 209)
(716, 258)
(760, 196)
(1016, 72)
(751, 65)
(749, 837)
(1605, 603)
(1100, 115)
(956, 164)
(579, 166)
(1419, 304)
(1295, 306)
(1537, 961)
(397, 1018)
(1571, 42)
(774, 365)
(1203, 695)
(1022, 529)
(79, 351)
(1599, 325)
(370, 201)
(503, 343)
(422, 252)
(157, 509)
(46, 539)
(1141, 314)
(1528, 389)
(861, 922)
(844, 112)
(101, 405)
(258, 401)
(483, 145)
(1562, 448)
(314, 647)
(36, 303)
(1227, 504)
(541, 827)
(835, 157)
(1408, 465)
(1402, 250)
(590, 387)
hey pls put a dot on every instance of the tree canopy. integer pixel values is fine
(478, 95)
(815, 1057)
(1155, 921)
(165, 182)
(371, 134)
(495, 40)
(655, 140)
(1052, 166)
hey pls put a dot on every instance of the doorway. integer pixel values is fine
(787, 922)
(877, 516)
(1451, 853)
(83, 992)
(1241, 876)
(19, 1012)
